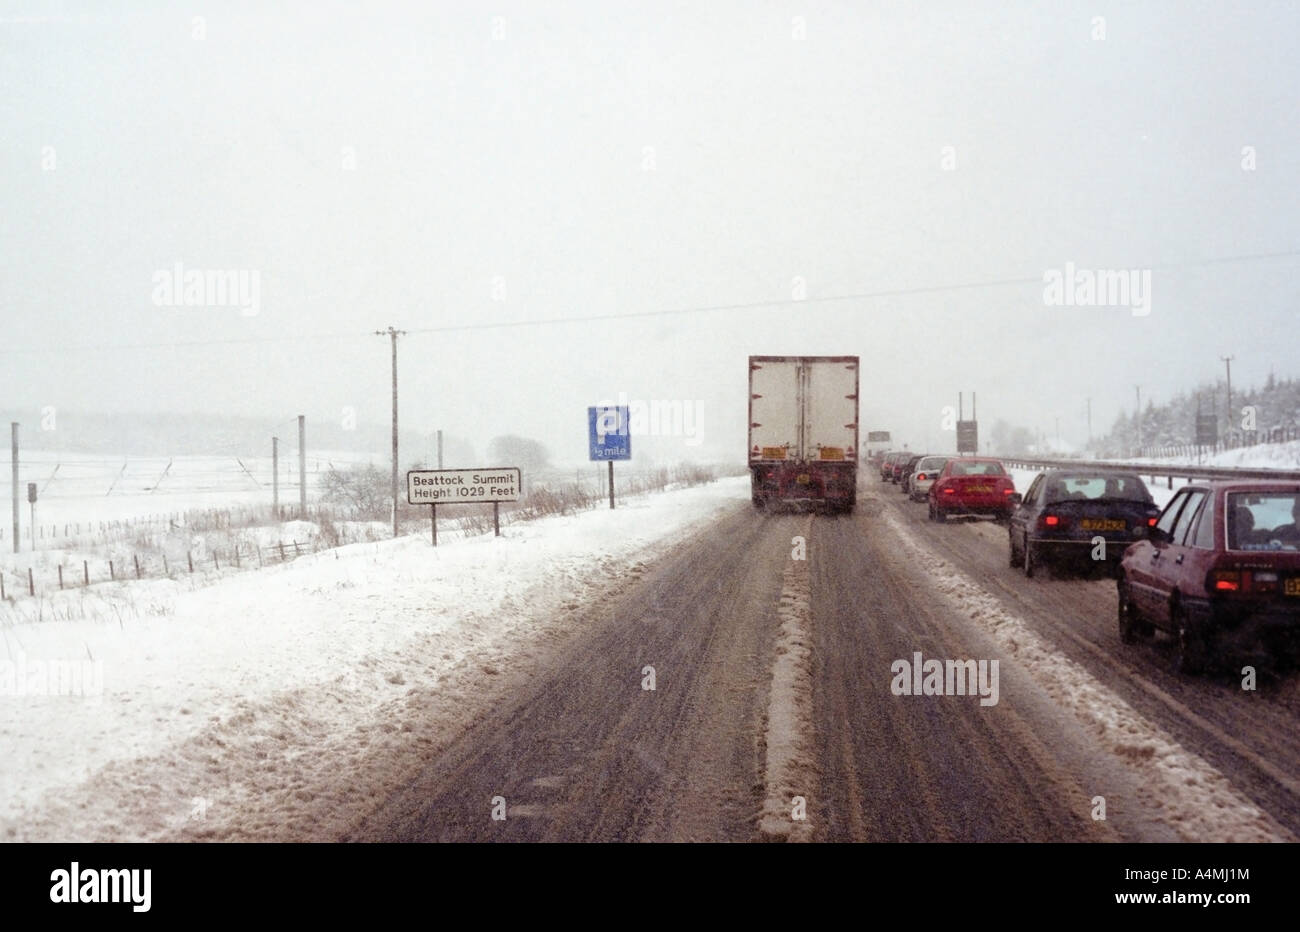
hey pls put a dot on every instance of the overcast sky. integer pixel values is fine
(443, 165)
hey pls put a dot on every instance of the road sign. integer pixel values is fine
(463, 486)
(968, 437)
(607, 434)
(877, 436)
(1207, 429)
(31, 491)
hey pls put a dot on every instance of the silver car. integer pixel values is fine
(927, 470)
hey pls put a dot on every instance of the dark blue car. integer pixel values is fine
(1078, 516)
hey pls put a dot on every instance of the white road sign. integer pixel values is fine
(450, 486)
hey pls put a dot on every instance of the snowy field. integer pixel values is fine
(217, 709)
(1261, 456)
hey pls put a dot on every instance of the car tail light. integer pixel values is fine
(1225, 581)
(1010, 491)
(1055, 522)
(920, 477)
(1151, 522)
(949, 490)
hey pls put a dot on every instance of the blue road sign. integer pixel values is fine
(607, 434)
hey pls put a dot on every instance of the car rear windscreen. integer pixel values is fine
(1263, 521)
(977, 469)
(1085, 488)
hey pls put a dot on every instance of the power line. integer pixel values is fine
(641, 315)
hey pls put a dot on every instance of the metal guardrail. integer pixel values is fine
(1155, 470)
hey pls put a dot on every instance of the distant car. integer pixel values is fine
(905, 477)
(1220, 573)
(969, 485)
(896, 468)
(887, 465)
(887, 468)
(1065, 511)
(927, 470)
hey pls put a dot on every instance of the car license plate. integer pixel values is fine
(1103, 524)
(803, 479)
(979, 489)
(1292, 586)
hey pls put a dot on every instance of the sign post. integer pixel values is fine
(967, 436)
(463, 487)
(608, 438)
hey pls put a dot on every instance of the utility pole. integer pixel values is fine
(13, 428)
(1227, 361)
(1089, 422)
(393, 335)
(440, 449)
(1058, 433)
(302, 466)
(275, 478)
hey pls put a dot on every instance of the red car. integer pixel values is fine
(971, 485)
(1219, 572)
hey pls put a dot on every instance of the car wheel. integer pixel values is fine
(1128, 621)
(1031, 558)
(1189, 647)
(1014, 559)
(940, 515)
(931, 515)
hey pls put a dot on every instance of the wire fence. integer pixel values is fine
(223, 540)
